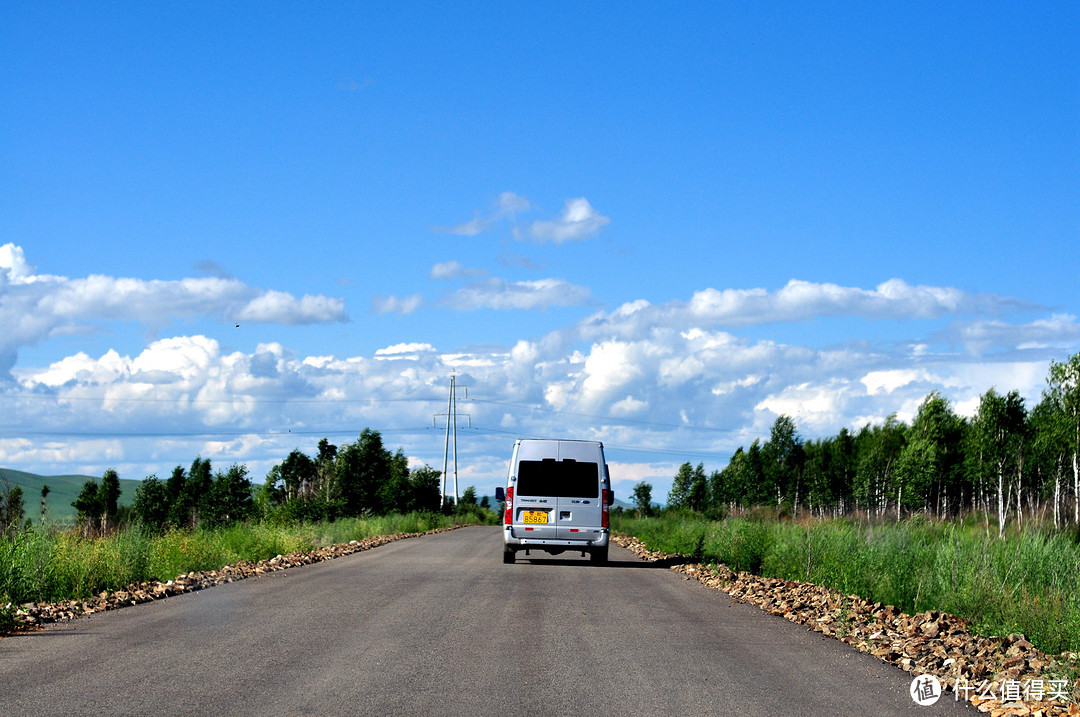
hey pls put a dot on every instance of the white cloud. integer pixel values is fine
(507, 205)
(471, 228)
(185, 357)
(1058, 331)
(673, 379)
(798, 301)
(412, 348)
(816, 407)
(277, 307)
(397, 305)
(610, 366)
(35, 306)
(878, 382)
(510, 204)
(724, 391)
(453, 270)
(410, 351)
(726, 387)
(13, 266)
(497, 293)
(629, 406)
(578, 221)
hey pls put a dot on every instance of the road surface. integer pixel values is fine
(439, 625)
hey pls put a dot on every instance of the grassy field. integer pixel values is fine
(50, 565)
(1028, 583)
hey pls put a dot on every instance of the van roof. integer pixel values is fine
(558, 440)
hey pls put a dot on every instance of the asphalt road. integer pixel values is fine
(438, 625)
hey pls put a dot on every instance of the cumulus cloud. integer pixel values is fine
(578, 221)
(278, 307)
(497, 293)
(629, 406)
(688, 393)
(814, 405)
(680, 379)
(14, 268)
(797, 301)
(34, 306)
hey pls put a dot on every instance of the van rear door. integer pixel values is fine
(578, 507)
(535, 502)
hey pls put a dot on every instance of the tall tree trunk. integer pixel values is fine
(1076, 484)
(1019, 508)
(1001, 501)
(1057, 496)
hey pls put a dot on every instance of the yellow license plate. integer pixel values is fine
(534, 516)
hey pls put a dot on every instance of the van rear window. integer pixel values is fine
(562, 479)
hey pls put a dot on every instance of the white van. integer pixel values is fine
(557, 498)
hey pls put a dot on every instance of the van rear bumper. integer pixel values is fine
(512, 536)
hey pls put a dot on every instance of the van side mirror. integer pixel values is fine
(611, 497)
(500, 494)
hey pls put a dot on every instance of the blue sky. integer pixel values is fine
(229, 230)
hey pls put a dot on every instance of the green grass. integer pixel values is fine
(47, 565)
(1027, 583)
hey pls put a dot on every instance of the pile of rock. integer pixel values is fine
(1003, 676)
(31, 615)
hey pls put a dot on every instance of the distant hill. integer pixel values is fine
(63, 490)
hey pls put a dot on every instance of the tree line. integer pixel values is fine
(352, 480)
(1008, 461)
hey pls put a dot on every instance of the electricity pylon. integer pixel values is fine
(451, 423)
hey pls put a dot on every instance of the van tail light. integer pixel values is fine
(605, 519)
(508, 517)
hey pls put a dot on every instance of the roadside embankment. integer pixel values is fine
(33, 615)
(1004, 676)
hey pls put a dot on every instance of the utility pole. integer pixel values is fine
(451, 421)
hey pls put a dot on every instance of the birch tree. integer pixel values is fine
(999, 429)
(1063, 391)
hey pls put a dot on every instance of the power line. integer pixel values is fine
(614, 419)
(480, 430)
(339, 401)
(616, 446)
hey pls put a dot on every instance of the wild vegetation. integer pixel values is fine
(1027, 582)
(200, 519)
(48, 565)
